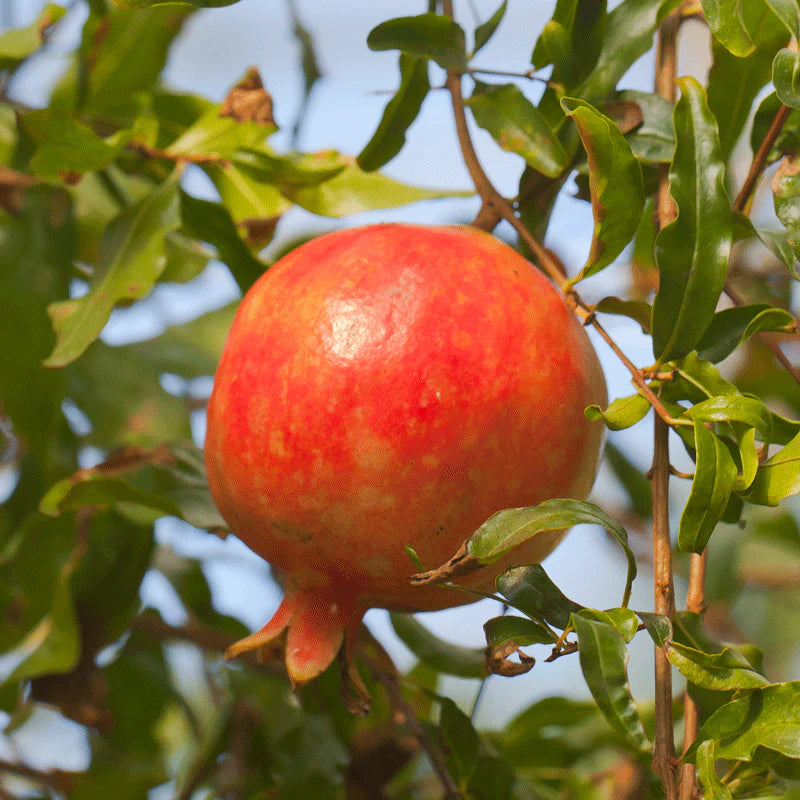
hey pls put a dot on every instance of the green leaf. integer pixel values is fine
(777, 242)
(768, 717)
(778, 477)
(18, 44)
(731, 101)
(400, 112)
(511, 527)
(713, 787)
(218, 135)
(571, 40)
(530, 590)
(451, 659)
(637, 310)
(712, 485)
(37, 246)
(623, 619)
(169, 480)
(353, 191)
(516, 631)
(604, 658)
(654, 140)
(112, 43)
(494, 779)
(725, 20)
(707, 663)
(786, 198)
(518, 126)
(615, 181)
(459, 737)
(692, 251)
(291, 171)
(131, 260)
(621, 413)
(731, 327)
(786, 77)
(485, 31)
(633, 481)
(789, 137)
(629, 31)
(210, 222)
(66, 145)
(658, 626)
(425, 36)
(788, 12)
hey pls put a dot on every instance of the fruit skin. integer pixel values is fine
(386, 386)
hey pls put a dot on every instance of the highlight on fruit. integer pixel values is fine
(385, 387)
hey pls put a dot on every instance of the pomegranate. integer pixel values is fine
(386, 386)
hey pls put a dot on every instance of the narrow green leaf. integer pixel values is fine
(66, 145)
(450, 659)
(733, 326)
(18, 44)
(615, 181)
(654, 140)
(713, 787)
(459, 737)
(210, 222)
(734, 408)
(604, 658)
(425, 36)
(768, 717)
(787, 140)
(788, 12)
(353, 191)
(623, 619)
(786, 77)
(400, 112)
(731, 101)
(518, 126)
(571, 41)
(629, 31)
(712, 485)
(725, 20)
(637, 310)
(778, 477)
(633, 480)
(621, 413)
(511, 527)
(213, 134)
(519, 631)
(486, 30)
(164, 481)
(777, 242)
(707, 663)
(131, 260)
(659, 627)
(530, 590)
(692, 251)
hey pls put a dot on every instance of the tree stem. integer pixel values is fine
(663, 590)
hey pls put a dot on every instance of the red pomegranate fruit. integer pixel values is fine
(385, 386)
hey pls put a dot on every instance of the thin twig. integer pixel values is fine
(663, 589)
(696, 602)
(404, 711)
(529, 74)
(59, 780)
(549, 264)
(745, 197)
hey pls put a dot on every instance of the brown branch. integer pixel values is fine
(492, 199)
(404, 712)
(696, 602)
(145, 151)
(745, 197)
(59, 780)
(663, 589)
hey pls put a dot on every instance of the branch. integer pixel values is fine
(59, 780)
(745, 197)
(493, 200)
(663, 589)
